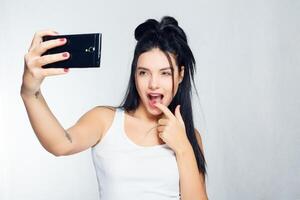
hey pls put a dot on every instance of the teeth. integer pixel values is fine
(155, 96)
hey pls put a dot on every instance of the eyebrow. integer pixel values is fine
(148, 69)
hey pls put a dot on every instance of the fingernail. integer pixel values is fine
(62, 39)
(65, 54)
(66, 69)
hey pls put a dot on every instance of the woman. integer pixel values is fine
(147, 148)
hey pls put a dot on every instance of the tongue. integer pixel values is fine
(153, 100)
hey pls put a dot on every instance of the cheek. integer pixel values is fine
(166, 85)
(141, 86)
(168, 88)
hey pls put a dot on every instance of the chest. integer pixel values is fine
(140, 133)
(157, 167)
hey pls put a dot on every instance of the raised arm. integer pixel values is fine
(53, 137)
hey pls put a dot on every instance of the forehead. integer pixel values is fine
(155, 59)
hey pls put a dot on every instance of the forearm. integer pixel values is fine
(48, 130)
(192, 183)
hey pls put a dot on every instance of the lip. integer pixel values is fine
(154, 94)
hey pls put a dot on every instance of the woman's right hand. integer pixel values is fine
(34, 74)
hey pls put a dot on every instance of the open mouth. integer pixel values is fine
(153, 98)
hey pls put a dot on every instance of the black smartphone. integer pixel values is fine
(84, 50)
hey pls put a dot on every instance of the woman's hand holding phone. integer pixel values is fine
(34, 74)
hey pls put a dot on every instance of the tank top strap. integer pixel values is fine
(113, 135)
(118, 120)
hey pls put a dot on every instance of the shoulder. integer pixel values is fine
(199, 139)
(104, 110)
(100, 116)
(105, 114)
(99, 112)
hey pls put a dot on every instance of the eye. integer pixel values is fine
(141, 73)
(167, 73)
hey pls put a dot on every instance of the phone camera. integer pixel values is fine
(90, 49)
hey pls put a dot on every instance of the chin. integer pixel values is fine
(155, 111)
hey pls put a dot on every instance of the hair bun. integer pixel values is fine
(168, 21)
(167, 26)
(151, 25)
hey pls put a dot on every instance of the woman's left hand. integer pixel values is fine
(171, 129)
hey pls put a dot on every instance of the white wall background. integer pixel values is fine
(247, 55)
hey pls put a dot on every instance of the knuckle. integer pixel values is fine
(27, 57)
(37, 34)
(49, 59)
(46, 60)
(43, 46)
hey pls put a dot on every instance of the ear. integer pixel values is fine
(181, 74)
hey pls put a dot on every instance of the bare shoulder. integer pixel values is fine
(104, 110)
(104, 115)
(97, 119)
(199, 139)
(98, 112)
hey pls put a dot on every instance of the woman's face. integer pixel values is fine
(154, 79)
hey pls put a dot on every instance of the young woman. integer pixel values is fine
(147, 148)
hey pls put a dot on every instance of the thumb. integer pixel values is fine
(178, 114)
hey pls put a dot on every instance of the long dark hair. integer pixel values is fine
(170, 39)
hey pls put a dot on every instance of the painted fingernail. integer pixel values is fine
(66, 69)
(65, 54)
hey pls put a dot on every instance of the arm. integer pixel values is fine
(53, 137)
(172, 131)
(192, 183)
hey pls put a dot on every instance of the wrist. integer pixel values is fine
(25, 92)
(185, 149)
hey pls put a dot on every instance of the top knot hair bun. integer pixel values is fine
(151, 25)
(168, 25)
(168, 21)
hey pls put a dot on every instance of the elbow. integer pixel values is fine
(57, 152)
(63, 152)
(61, 149)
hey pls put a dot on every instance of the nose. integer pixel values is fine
(153, 82)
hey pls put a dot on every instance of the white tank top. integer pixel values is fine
(126, 170)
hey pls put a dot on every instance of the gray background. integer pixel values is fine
(247, 55)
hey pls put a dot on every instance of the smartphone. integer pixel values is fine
(84, 50)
